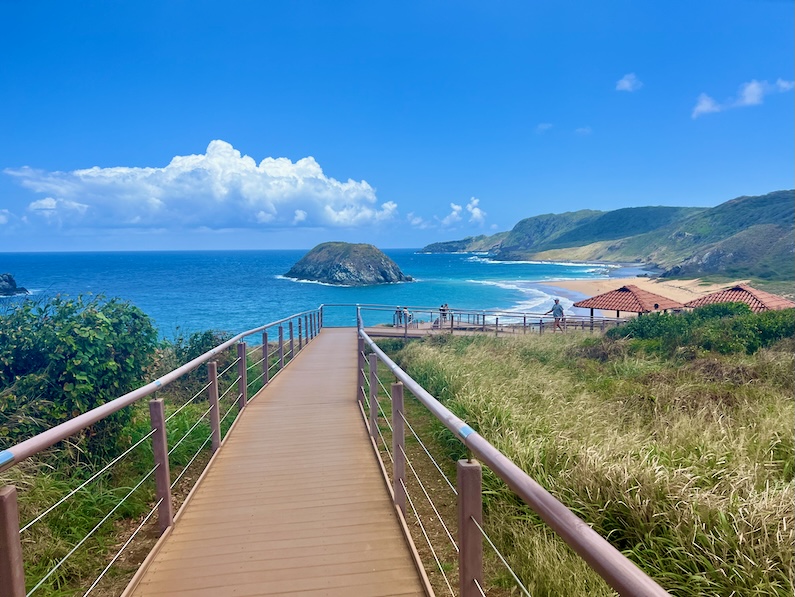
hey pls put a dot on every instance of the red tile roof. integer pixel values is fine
(758, 300)
(629, 298)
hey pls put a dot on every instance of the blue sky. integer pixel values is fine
(243, 125)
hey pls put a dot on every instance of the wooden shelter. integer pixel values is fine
(758, 300)
(631, 299)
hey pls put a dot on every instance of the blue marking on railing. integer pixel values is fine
(158, 383)
(466, 431)
(6, 457)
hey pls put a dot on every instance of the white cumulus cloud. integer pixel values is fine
(584, 130)
(543, 127)
(629, 82)
(751, 93)
(476, 215)
(5, 215)
(217, 189)
(454, 216)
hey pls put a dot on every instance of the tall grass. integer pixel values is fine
(684, 465)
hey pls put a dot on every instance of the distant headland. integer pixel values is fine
(346, 264)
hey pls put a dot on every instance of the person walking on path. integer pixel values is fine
(557, 313)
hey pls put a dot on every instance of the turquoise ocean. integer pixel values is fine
(238, 290)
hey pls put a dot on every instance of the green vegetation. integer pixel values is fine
(744, 237)
(63, 357)
(682, 458)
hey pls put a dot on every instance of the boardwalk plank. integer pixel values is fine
(294, 503)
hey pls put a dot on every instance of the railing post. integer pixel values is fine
(292, 344)
(265, 358)
(470, 540)
(524, 324)
(360, 372)
(281, 348)
(306, 328)
(540, 326)
(496, 326)
(320, 316)
(312, 325)
(300, 339)
(242, 381)
(483, 329)
(165, 511)
(215, 415)
(373, 360)
(452, 318)
(12, 571)
(406, 325)
(398, 447)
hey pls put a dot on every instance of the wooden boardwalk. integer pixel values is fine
(295, 502)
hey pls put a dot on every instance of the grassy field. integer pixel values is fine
(684, 463)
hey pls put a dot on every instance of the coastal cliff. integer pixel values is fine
(8, 286)
(346, 264)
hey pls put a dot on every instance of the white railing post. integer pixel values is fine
(12, 571)
(242, 374)
(373, 360)
(398, 447)
(165, 511)
(470, 540)
(215, 415)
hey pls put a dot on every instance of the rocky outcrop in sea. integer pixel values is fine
(346, 264)
(8, 286)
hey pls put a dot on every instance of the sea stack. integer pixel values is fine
(8, 286)
(346, 264)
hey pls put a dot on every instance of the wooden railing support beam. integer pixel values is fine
(215, 415)
(265, 358)
(242, 375)
(373, 360)
(12, 572)
(470, 541)
(398, 447)
(165, 511)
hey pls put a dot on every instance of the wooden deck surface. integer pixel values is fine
(295, 502)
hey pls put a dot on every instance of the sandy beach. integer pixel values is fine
(678, 290)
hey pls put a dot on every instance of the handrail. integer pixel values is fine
(458, 311)
(615, 568)
(29, 447)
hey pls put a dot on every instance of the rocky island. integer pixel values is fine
(8, 286)
(346, 264)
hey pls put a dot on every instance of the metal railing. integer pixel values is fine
(411, 320)
(617, 570)
(227, 393)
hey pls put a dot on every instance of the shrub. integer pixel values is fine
(63, 357)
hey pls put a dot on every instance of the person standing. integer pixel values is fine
(398, 316)
(557, 313)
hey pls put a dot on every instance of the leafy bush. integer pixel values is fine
(725, 328)
(63, 357)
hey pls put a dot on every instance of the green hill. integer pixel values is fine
(743, 237)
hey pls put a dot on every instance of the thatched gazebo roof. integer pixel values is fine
(630, 298)
(758, 300)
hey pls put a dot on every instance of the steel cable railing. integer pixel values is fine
(427, 538)
(502, 558)
(163, 449)
(191, 461)
(123, 547)
(606, 560)
(189, 402)
(90, 533)
(86, 482)
(430, 456)
(439, 517)
(189, 431)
